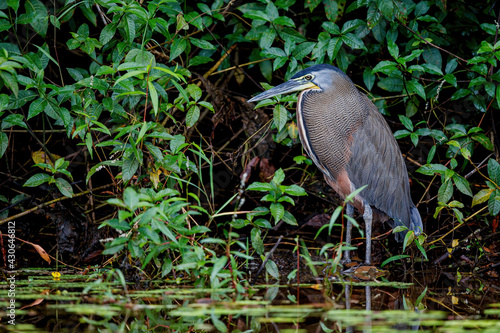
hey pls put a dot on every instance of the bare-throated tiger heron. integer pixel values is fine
(348, 139)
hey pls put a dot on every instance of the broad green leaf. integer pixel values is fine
(494, 203)
(462, 185)
(481, 196)
(192, 115)
(36, 107)
(416, 87)
(277, 211)
(399, 134)
(295, 190)
(177, 143)
(331, 28)
(286, 21)
(280, 114)
(385, 67)
(64, 187)
(4, 143)
(272, 269)
(154, 96)
(368, 78)
(494, 171)
(129, 167)
(333, 47)
(406, 122)
(37, 180)
(257, 242)
(445, 191)
(107, 33)
(431, 154)
(178, 46)
(256, 15)
(13, 120)
(279, 176)
(387, 8)
(353, 41)
(202, 44)
(421, 8)
(257, 186)
(218, 266)
(267, 38)
(289, 218)
(393, 49)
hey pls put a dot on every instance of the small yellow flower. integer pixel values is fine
(57, 276)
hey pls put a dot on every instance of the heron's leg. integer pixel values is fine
(348, 234)
(368, 217)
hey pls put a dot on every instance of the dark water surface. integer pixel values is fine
(432, 301)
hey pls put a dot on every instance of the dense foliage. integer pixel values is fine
(140, 108)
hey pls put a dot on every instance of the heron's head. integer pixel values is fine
(318, 77)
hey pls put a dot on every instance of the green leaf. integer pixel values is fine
(267, 38)
(462, 184)
(279, 176)
(36, 107)
(414, 139)
(416, 87)
(64, 187)
(394, 258)
(483, 140)
(451, 66)
(14, 120)
(368, 78)
(256, 15)
(421, 8)
(393, 49)
(272, 269)
(129, 167)
(333, 47)
(445, 191)
(115, 246)
(202, 44)
(218, 266)
(154, 96)
(494, 203)
(481, 196)
(399, 134)
(4, 143)
(385, 67)
(490, 28)
(257, 242)
(406, 122)
(387, 8)
(494, 171)
(431, 154)
(280, 116)
(277, 211)
(257, 186)
(289, 218)
(303, 50)
(38, 179)
(286, 21)
(295, 190)
(353, 41)
(178, 46)
(192, 115)
(107, 33)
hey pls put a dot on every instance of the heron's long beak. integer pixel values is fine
(285, 88)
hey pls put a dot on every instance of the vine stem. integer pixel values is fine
(48, 203)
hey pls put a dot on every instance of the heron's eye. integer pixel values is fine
(308, 77)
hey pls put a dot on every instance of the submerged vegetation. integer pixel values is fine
(127, 143)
